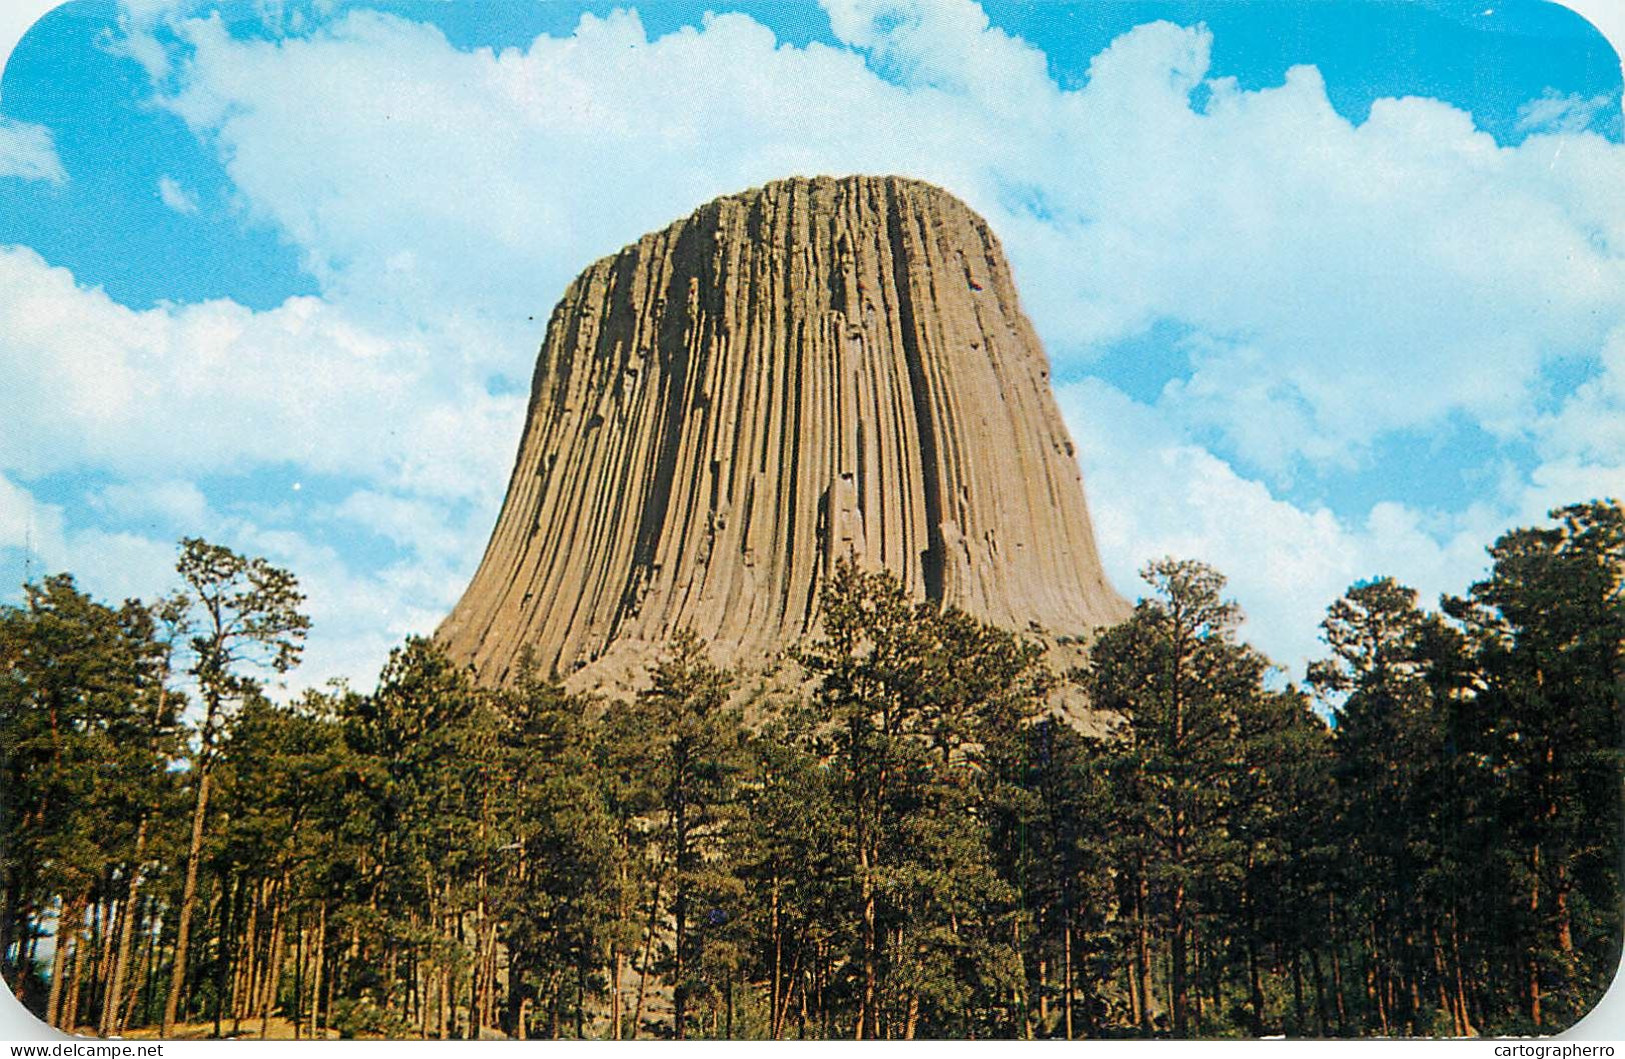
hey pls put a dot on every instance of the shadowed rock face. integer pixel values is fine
(792, 374)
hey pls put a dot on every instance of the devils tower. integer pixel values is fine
(812, 369)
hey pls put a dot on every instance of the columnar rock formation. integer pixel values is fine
(808, 370)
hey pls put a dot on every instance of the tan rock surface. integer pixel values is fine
(802, 371)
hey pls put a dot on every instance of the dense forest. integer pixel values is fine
(1424, 840)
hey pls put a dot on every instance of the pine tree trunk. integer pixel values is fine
(643, 964)
(1376, 983)
(1255, 988)
(273, 957)
(1459, 989)
(106, 914)
(1198, 962)
(679, 904)
(619, 963)
(782, 1012)
(428, 984)
(1565, 926)
(679, 991)
(70, 1002)
(1136, 1001)
(1018, 997)
(1177, 958)
(1413, 985)
(581, 998)
(494, 1004)
(126, 935)
(151, 984)
(143, 973)
(471, 1028)
(1142, 952)
(1043, 992)
(476, 986)
(866, 1007)
(30, 951)
(1066, 972)
(776, 993)
(1337, 965)
(1322, 1024)
(301, 946)
(1297, 994)
(242, 979)
(67, 929)
(1534, 918)
(183, 932)
(10, 918)
(446, 1002)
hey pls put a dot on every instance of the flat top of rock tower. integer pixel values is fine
(828, 191)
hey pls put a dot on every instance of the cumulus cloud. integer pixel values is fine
(1350, 279)
(417, 525)
(356, 615)
(218, 388)
(27, 152)
(1582, 443)
(39, 538)
(157, 399)
(1153, 493)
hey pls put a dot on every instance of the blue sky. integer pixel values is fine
(1332, 289)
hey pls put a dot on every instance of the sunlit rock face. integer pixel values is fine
(808, 370)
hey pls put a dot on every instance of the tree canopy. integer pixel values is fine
(907, 843)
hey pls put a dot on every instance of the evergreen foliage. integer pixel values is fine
(1425, 841)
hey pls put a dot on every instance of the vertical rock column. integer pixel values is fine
(811, 369)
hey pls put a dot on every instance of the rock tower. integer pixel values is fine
(808, 370)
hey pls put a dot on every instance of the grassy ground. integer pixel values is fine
(277, 1028)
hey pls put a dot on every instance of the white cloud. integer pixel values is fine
(947, 45)
(356, 615)
(38, 539)
(447, 188)
(216, 387)
(157, 398)
(27, 152)
(176, 197)
(1555, 112)
(418, 525)
(35, 529)
(1153, 493)
(1354, 279)
(170, 503)
(1582, 444)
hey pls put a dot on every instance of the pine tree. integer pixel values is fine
(1179, 680)
(923, 720)
(1548, 626)
(424, 748)
(687, 739)
(1390, 739)
(245, 617)
(84, 743)
(560, 899)
(790, 857)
